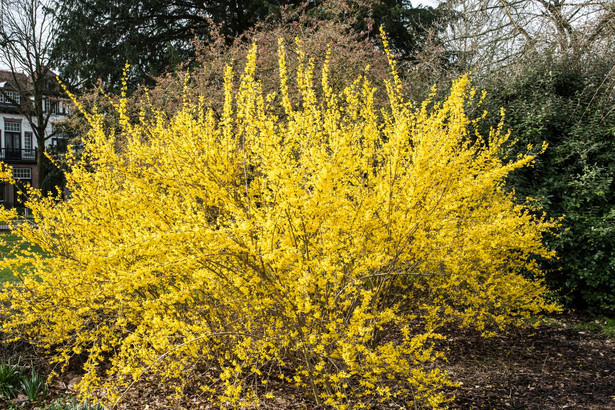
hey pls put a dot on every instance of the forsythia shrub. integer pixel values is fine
(321, 242)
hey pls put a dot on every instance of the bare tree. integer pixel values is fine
(492, 33)
(26, 37)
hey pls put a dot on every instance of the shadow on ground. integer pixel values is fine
(550, 367)
(544, 368)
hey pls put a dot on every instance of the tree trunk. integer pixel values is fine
(40, 162)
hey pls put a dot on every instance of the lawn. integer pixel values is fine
(6, 274)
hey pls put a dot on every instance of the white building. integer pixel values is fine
(18, 145)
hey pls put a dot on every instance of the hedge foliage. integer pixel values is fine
(568, 104)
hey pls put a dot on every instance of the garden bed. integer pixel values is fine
(555, 366)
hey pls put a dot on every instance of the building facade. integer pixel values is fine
(18, 144)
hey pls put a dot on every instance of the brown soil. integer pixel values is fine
(550, 367)
(544, 368)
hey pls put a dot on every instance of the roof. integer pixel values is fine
(7, 81)
(7, 76)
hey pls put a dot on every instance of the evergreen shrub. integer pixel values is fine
(570, 105)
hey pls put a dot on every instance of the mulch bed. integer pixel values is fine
(550, 367)
(545, 368)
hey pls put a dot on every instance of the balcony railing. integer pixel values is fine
(19, 207)
(17, 154)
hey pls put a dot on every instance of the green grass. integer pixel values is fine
(599, 326)
(6, 274)
(602, 326)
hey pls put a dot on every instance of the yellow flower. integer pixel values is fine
(216, 249)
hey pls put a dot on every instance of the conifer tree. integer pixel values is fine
(96, 38)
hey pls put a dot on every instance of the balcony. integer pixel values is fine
(18, 155)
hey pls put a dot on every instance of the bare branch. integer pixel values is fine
(26, 38)
(490, 33)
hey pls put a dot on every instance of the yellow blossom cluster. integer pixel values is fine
(317, 242)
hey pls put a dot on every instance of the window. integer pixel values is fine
(27, 142)
(29, 152)
(15, 96)
(10, 97)
(12, 140)
(22, 173)
(23, 177)
(50, 105)
(56, 106)
(12, 126)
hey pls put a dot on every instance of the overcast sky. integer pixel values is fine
(432, 3)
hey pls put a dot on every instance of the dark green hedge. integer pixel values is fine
(571, 105)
